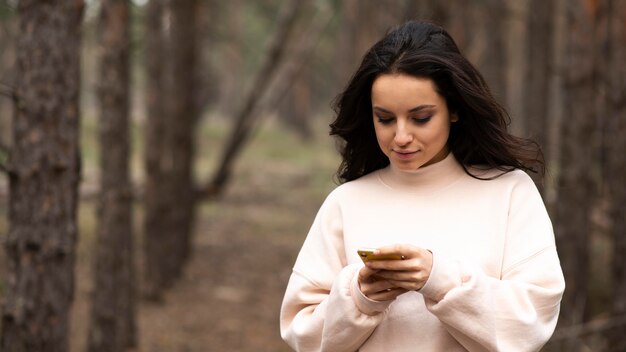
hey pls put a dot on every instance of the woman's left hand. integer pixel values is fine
(410, 273)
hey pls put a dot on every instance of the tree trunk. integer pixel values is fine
(435, 11)
(169, 192)
(207, 84)
(181, 121)
(347, 60)
(232, 76)
(44, 170)
(8, 34)
(486, 47)
(295, 109)
(579, 155)
(616, 139)
(112, 306)
(155, 205)
(516, 60)
(539, 54)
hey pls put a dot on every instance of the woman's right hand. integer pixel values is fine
(377, 288)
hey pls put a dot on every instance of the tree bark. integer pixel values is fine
(486, 47)
(346, 60)
(155, 206)
(540, 58)
(231, 83)
(516, 63)
(579, 155)
(113, 296)
(8, 34)
(616, 169)
(295, 108)
(181, 122)
(44, 170)
(172, 109)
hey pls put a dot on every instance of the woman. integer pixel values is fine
(431, 175)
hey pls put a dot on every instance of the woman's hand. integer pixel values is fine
(387, 279)
(376, 288)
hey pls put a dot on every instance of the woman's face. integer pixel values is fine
(411, 120)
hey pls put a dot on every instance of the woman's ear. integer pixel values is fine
(454, 117)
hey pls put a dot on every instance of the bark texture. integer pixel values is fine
(155, 206)
(579, 154)
(112, 301)
(181, 122)
(616, 175)
(44, 169)
(172, 114)
(540, 42)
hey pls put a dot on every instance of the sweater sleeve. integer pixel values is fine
(323, 309)
(517, 311)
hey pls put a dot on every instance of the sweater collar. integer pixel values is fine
(434, 176)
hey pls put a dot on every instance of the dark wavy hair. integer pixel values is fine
(420, 49)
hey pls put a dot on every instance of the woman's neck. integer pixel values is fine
(437, 175)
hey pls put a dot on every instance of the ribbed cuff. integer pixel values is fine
(444, 276)
(364, 304)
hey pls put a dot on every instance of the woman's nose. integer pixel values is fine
(403, 136)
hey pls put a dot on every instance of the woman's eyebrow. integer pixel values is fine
(378, 108)
(421, 107)
(415, 109)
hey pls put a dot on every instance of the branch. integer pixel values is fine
(243, 119)
(8, 91)
(4, 150)
(302, 53)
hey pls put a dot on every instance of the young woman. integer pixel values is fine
(431, 176)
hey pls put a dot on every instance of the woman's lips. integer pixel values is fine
(404, 155)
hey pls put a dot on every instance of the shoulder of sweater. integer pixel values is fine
(515, 180)
(495, 175)
(362, 183)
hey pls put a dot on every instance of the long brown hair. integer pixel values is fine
(479, 138)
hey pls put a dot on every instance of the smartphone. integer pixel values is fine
(367, 254)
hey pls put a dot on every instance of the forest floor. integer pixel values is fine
(244, 247)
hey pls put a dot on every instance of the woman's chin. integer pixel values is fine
(407, 166)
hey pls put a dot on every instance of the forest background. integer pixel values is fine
(161, 161)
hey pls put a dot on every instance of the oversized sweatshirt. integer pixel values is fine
(495, 284)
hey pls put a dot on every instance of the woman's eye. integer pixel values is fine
(421, 120)
(384, 120)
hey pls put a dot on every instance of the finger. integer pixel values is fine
(406, 251)
(398, 265)
(388, 294)
(408, 285)
(387, 265)
(367, 274)
(396, 275)
(380, 285)
(372, 286)
(401, 249)
(409, 264)
(403, 275)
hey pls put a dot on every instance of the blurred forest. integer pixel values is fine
(161, 161)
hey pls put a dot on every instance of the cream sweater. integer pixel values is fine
(496, 282)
